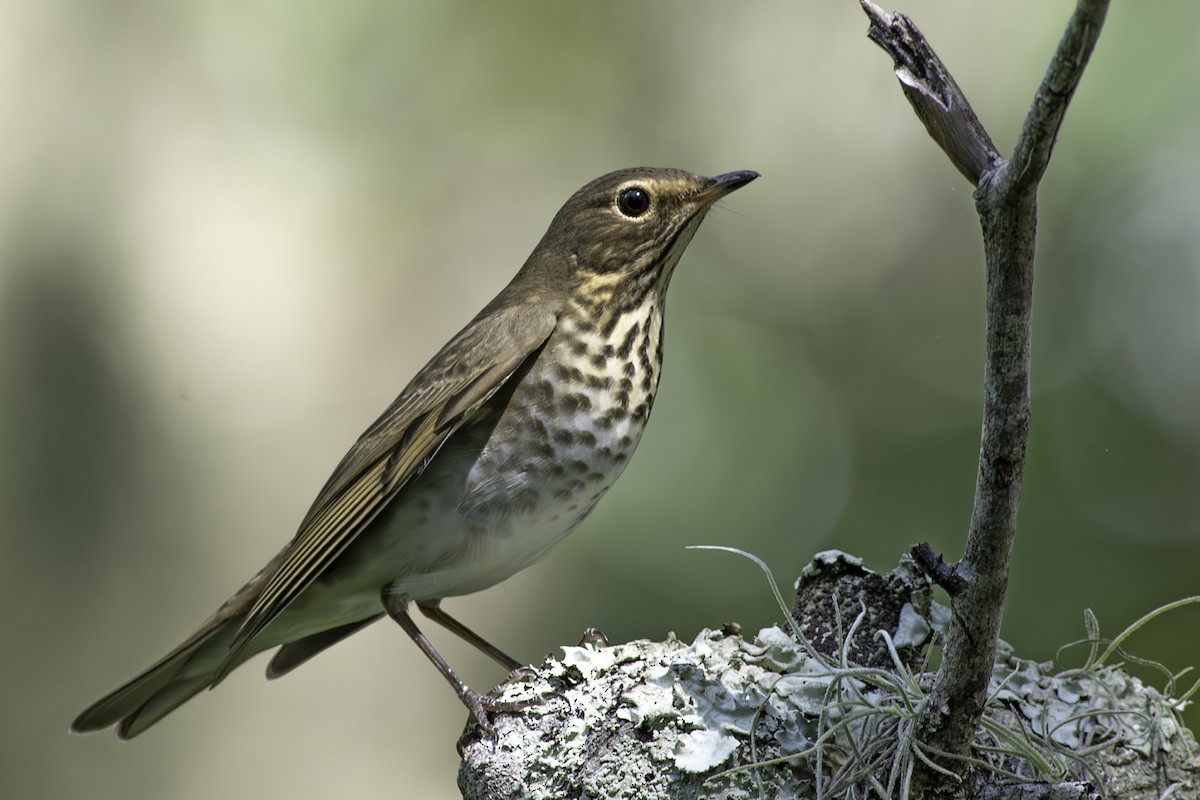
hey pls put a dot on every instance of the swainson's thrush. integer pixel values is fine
(494, 452)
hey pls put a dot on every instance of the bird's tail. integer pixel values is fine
(168, 683)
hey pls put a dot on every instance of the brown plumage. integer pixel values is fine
(492, 454)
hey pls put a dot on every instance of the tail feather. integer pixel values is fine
(164, 686)
(293, 654)
(161, 703)
(198, 663)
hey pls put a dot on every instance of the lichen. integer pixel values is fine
(723, 717)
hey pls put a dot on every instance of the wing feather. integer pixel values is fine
(443, 395)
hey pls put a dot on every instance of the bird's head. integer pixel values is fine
(618, 238)
(637, 221)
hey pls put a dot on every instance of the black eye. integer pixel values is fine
(633, 201)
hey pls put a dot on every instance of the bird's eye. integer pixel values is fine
(633, 201)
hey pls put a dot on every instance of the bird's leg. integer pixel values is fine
(433, 610)
(478, 704)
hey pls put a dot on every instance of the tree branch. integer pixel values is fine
(826, 704)
(1005, 198)
(931, 90)
(1035, 143)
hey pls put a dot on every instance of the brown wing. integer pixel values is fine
(443, 395)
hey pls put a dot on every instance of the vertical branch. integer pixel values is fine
(1006, 200)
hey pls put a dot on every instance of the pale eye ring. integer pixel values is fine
(633, 201)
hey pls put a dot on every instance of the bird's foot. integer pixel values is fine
(483, 706)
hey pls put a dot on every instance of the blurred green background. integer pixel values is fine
(230, 232)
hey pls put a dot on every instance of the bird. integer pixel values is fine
(495, 451)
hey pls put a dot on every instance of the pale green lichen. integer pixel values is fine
(690, 707)
(723, 718)
(1086, 708)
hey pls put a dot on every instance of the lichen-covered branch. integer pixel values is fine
(1006, 200)
(839, 709)
(821, 706)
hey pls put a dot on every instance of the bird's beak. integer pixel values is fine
(721, 185)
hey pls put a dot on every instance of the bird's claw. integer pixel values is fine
(483, 706)
(593, 637)
(522, 674)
